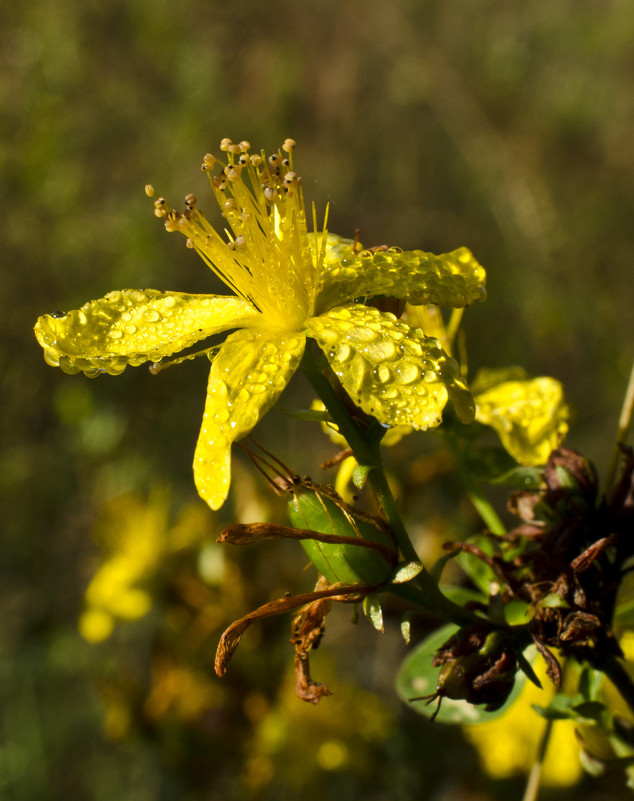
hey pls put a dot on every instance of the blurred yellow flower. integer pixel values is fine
(529, 415)
(137, 536)
(509, 744)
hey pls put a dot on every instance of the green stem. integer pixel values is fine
(367, 451)
(431, 599)
(474, 491)
(625, 421)
(535, 775)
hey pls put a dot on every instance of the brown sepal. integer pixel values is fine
(230, 640)
(251, 533)
(307, 629)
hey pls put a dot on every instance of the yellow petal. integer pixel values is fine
(530, 416)
(390, 370)
(452, 279)
(132, 326)
(247, 376)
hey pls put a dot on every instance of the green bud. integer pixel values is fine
(363, 551)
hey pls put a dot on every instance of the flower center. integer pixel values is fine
(266, 257)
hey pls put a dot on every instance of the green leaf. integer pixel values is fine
(527, 669)
(590, 682)
(373, 611)
(417, 677)
(360, 475)
(406, 625)
(406, 572)
(307, 414)
(477, 570)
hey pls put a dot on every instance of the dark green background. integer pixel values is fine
(506, 127)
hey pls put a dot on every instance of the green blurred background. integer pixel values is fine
(506, 127)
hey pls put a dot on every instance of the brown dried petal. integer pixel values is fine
(553, 668)
(232, 636)
(307, 630)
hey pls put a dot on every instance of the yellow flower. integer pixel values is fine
(530, 415)
(288, 284)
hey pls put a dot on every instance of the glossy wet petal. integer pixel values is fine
(132, 326)
(451, 279)
(247, 376)
(390, 370)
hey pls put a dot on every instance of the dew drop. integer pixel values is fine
(126, 316)
(152, 316)
(343, 353)
(407, 373)
(169, 301)
(412, 348)
(243, 395)
(383, 374)
(383, 350)
(130, 329)
(362, 333)
(116, 333)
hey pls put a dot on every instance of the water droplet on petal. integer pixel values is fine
(152, 316)
(116, 333)
(407, 373)
(383, 374)
(382, 350)
(343, 353)
(362, 333)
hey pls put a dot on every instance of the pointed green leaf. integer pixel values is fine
(406, 572)
(373, 611)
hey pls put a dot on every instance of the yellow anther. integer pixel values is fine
(289, 145)
(224, 144)
(149, 190)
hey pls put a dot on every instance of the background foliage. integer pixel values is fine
(505, 127)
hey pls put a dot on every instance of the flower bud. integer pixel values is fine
(478, 665)
(355, 548)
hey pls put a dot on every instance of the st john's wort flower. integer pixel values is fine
(288, 284)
